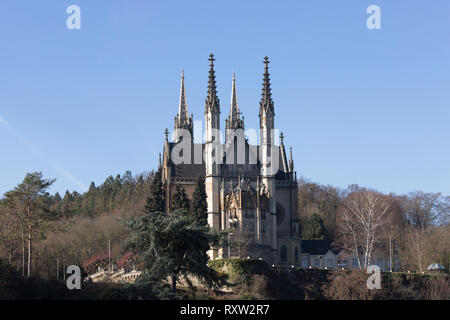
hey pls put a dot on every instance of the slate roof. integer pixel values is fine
(316, 247)
(193, 170)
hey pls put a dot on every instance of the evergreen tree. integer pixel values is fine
(55, 206)
(89, 206)
(180, 200)
(106, 192)
(172, 245)
(67, 204)
(56, 198)
(313, 228)
(155, 201)
(32, 201)
(199, 206)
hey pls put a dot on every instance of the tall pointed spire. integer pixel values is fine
(234, 119)
(182, 120)
(234, 111)
(182, 110)
(266, 104)
(212, 101)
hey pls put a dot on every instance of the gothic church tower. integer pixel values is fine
(212, 152)
(268, 153)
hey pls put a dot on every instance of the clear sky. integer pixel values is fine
(362, 106)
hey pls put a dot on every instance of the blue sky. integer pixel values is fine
(362, 106)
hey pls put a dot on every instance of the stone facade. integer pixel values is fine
(251, 188)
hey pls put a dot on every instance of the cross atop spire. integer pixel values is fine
(212, 101)
(266, 104)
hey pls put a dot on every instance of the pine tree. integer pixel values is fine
(313, 228)
(90, 200)
(56, 198)
(199, 206)
(180, 200)
(31, 197)
(67, 204)
(155, 201)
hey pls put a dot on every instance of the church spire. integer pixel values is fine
(212, 101)
(182, 120)
(182, 110)
(266, 104)
(234, 112)
(234, 120)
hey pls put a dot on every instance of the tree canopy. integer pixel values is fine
(172, 245)
(155, 201)
(180, 200)
(313, 228)
(199, 206)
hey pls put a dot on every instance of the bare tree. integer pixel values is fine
(240, 239)
(394, 227)
(360, 221)
(314, 198)
(444, 211)
(9, 229)
(14, 208)
(422, 211)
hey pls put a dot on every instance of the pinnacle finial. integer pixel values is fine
(159, 161)
(211, 60)
(266, 104)
(166, 133)
(266, 62)
(291, 160)
(281, 138)
(212, 101)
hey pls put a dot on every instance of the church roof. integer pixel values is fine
(316, 247)
(187, 170)
(193, 169)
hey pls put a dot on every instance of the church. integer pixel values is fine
(250, 183)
